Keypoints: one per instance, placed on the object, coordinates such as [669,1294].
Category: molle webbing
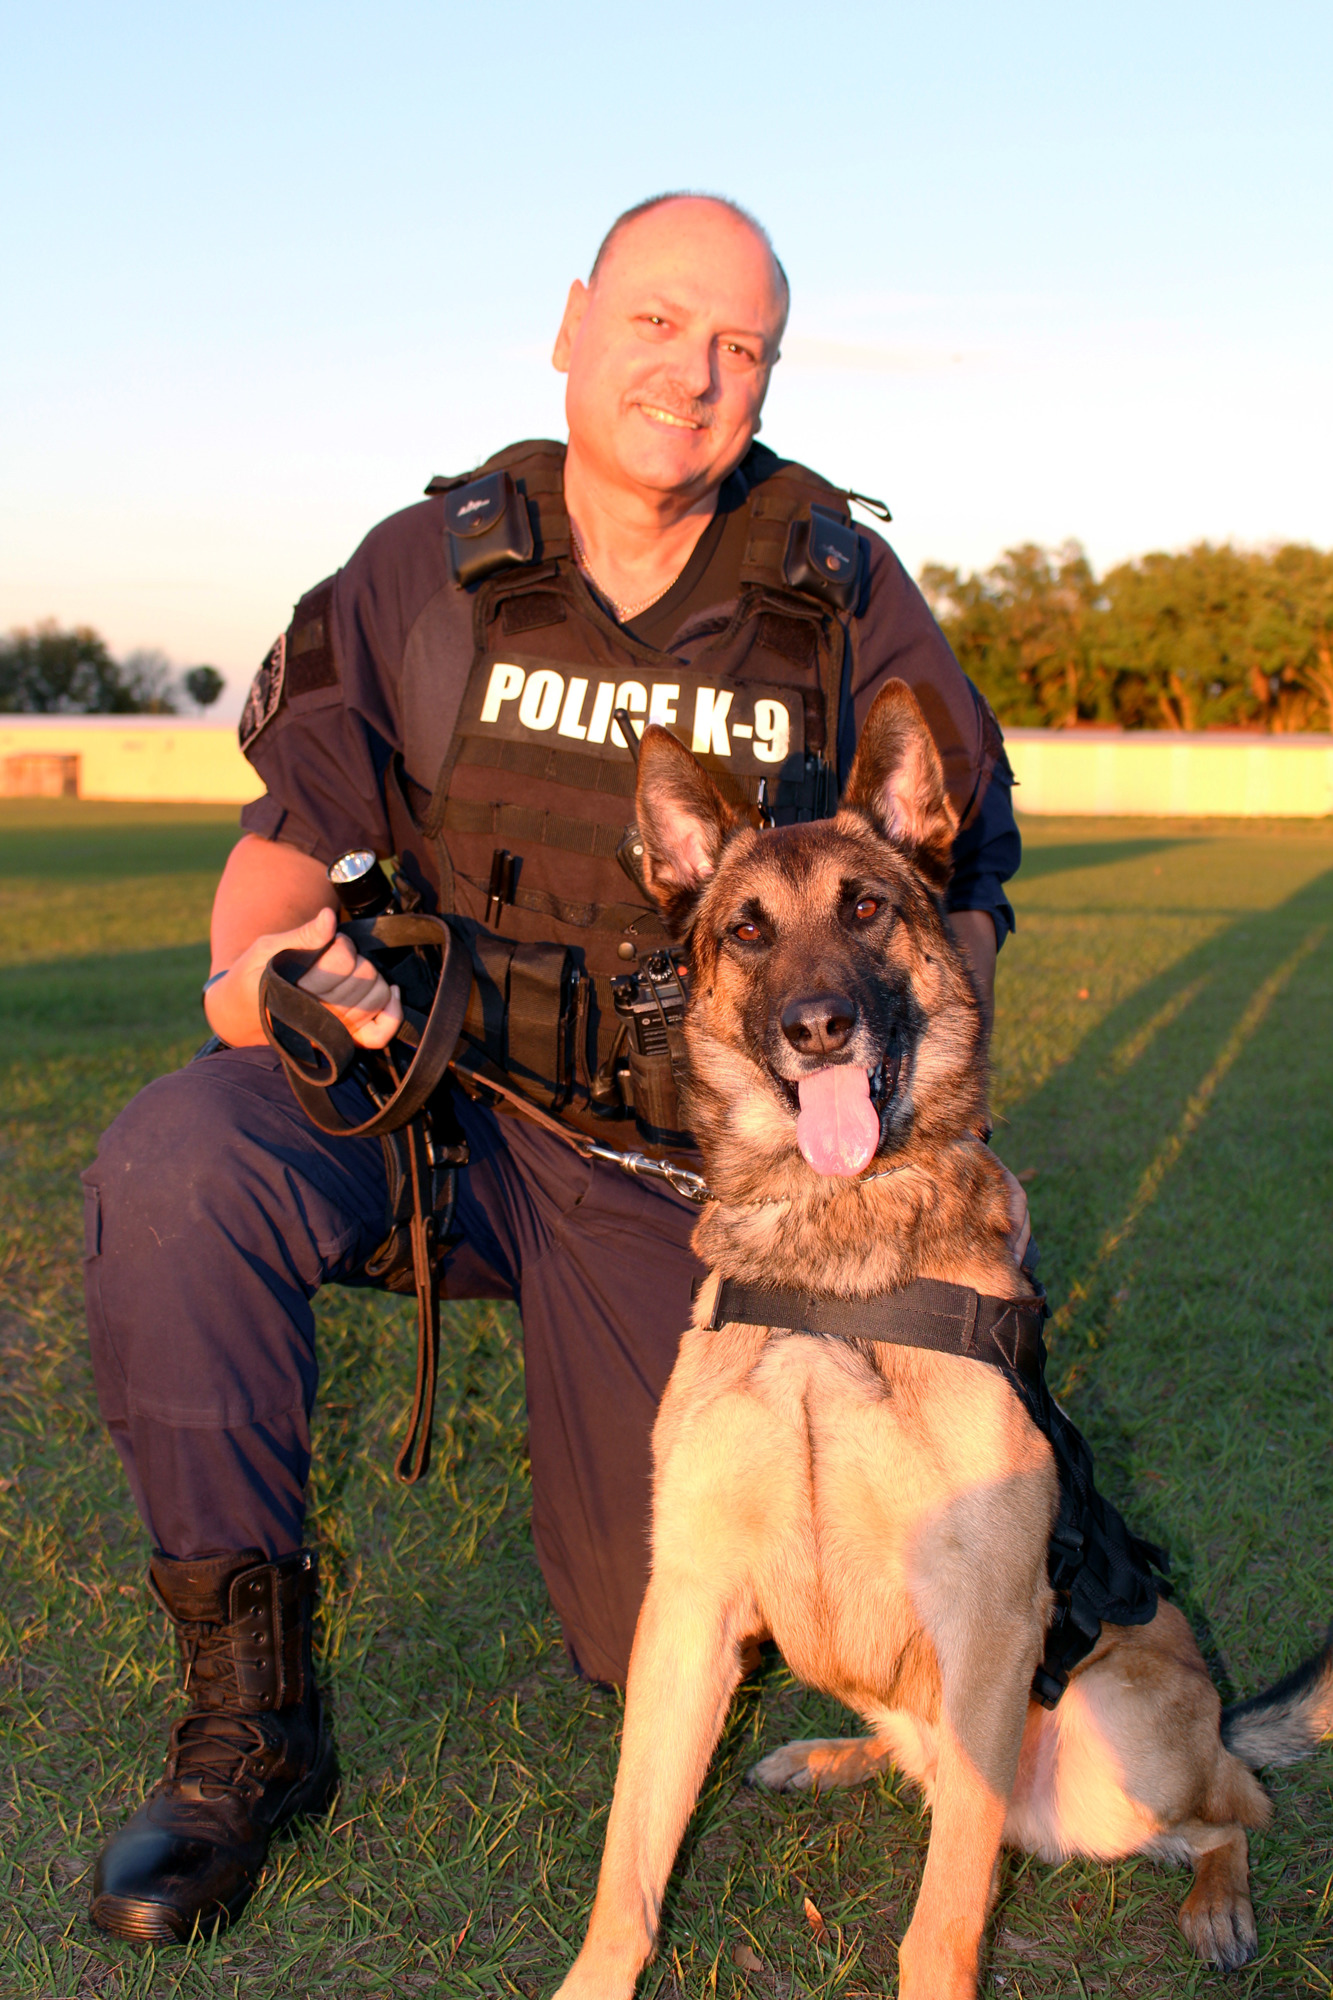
[560,767]
[536,827]
[625,919]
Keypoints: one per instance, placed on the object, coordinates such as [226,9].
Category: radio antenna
[628,731]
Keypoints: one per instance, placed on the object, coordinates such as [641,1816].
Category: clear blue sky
[1056,271]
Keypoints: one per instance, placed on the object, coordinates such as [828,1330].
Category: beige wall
[138,757]
[1144,772]
[1159,772]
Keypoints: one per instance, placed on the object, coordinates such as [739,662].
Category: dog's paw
[784,1770]
[1220,1928]
[818,1764]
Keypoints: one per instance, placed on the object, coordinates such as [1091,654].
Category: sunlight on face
[669,352]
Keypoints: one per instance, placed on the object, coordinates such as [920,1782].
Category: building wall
[1162,772]
[137,757]
[1147,772]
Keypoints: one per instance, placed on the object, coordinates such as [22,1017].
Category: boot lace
[213,1742]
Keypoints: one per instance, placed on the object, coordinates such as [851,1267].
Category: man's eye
[866,909]
[747,933]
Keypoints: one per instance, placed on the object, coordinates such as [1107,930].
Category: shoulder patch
[261,704]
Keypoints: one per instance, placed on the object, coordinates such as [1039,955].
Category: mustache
[677,404]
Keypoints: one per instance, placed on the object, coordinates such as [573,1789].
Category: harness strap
[1100,1571]
[948,1319]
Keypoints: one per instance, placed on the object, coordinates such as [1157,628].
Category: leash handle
[287,1012]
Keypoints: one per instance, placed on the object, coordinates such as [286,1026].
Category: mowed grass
[1164,1063]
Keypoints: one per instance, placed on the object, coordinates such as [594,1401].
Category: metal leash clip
[692,1186]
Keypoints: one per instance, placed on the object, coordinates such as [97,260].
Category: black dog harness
[1099,1569]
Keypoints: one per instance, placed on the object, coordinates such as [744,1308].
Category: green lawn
[1164,1078]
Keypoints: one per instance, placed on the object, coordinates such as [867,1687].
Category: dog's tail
[1289,1720]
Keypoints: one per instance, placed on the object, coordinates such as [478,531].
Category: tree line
[1212,638]
[48,670]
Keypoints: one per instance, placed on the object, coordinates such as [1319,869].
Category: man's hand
[349,986]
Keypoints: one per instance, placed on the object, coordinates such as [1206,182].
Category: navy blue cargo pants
[215,1211]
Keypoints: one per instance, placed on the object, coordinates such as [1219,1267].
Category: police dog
[882,1512]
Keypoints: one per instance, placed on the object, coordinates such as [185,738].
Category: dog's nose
[819,1024]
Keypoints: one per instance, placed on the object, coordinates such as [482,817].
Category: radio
[649,1066]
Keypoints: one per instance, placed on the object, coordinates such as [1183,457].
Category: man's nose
[819,1024]
[693,367]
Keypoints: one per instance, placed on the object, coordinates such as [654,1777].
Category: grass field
[1164,1079]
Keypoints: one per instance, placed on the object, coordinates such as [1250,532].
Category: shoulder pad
[507,513]
[801,532]
[537,465]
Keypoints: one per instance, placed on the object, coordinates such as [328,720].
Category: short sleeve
[324,720]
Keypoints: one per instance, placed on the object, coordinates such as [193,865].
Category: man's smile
[658,415]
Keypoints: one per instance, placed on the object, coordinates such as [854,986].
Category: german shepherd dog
[882,1512]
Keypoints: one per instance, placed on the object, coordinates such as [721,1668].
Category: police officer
[450,698]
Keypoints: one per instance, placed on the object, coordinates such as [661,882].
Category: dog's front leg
[683,1671]
[986,1627]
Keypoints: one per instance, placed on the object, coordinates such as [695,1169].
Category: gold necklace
[624,612]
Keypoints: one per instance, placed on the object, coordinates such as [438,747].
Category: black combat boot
[252,1752]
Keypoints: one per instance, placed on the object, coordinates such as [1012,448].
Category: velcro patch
[265,696]
[310,661]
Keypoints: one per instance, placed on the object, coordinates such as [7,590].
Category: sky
[1056,271]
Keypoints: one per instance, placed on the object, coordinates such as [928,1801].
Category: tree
[148,677]
[1171,647]
[1211,637]
[203,685]
[1021,630]
[47,671]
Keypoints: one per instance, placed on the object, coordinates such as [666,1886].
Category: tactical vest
[577,1002]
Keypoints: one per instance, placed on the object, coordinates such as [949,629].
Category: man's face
[669,353]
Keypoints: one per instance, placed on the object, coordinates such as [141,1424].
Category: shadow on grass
[1063,859]
[1181,1197]
[111,992]
[111,843]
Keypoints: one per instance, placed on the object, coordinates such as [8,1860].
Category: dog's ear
[683,820]
[897,781]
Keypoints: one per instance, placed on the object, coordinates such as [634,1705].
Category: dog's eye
[866,909]
[747,932]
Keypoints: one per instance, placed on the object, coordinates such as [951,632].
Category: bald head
[669,347]
[657,202]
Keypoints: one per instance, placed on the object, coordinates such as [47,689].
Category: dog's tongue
[838,1128]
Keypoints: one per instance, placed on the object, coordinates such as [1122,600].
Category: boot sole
[140,1921]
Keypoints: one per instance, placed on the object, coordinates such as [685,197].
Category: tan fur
[883,1512]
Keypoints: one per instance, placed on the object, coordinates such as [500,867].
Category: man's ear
[897,781]
[575,307]
[683,820]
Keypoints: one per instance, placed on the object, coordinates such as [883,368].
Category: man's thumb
[319,930]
